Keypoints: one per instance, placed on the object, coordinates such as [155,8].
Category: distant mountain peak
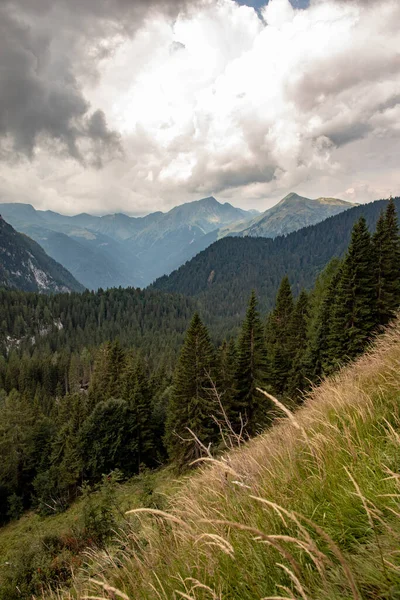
[291,197]
[209,200]
[294,198]
[293,212]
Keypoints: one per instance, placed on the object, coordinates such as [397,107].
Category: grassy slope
[27,534]
[310,510]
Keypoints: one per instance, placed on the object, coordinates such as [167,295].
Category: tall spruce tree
[108,369]
[354,312]
[191,404]
[279,339]
[251,373]
[386,248]
[297,343]
[317,360]
[227,367]
[137,392]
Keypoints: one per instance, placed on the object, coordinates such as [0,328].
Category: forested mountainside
[25,266]
[151,321]
[293,212]
[71,420]
[117,250]
[221,276]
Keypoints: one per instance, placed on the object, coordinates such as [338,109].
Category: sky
[138,105]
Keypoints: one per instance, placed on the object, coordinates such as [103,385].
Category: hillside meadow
[308,510]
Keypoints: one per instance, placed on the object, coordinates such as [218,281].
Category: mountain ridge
[291,213]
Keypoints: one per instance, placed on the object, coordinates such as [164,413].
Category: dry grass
[309,510]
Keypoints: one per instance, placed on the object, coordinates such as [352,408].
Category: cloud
[46,48]
[179,100]
[303,85]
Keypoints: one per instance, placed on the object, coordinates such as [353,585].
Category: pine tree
[279,342]
[386,248]
[106,381]
[354,312]
[251,372]
[297,343]
[116,363]
[317,360]
[191,405]
[227,367]
[138,395]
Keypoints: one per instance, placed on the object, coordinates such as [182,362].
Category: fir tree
[297,343]
[116,362]
[386,247]
[317,360]
[251,372]
[106,381]
[279,341]
[227,367]
[354,312]
[138,395]
[191,405]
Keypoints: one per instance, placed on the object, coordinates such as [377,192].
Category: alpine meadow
[199,300]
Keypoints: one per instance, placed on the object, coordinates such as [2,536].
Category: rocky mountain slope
[24,265]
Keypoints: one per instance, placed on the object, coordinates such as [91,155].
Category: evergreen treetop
[386,249]
[279,339]
[251,371]
[191,405]
[354,312]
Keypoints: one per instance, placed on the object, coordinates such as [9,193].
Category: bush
[51,493]
[15,507]
[47,562]
[100,511]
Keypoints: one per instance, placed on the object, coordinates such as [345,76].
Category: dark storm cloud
[40,96]
[46,47]
[348,133]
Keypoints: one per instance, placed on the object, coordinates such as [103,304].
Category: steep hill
[307,510]
[117,250]
[24,265]
[290,214]
[221,276]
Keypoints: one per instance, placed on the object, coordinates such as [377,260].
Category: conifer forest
[130,380]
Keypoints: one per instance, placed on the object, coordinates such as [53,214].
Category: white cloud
[222,102]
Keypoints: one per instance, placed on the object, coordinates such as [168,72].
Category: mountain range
[118,250]
[25,266]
